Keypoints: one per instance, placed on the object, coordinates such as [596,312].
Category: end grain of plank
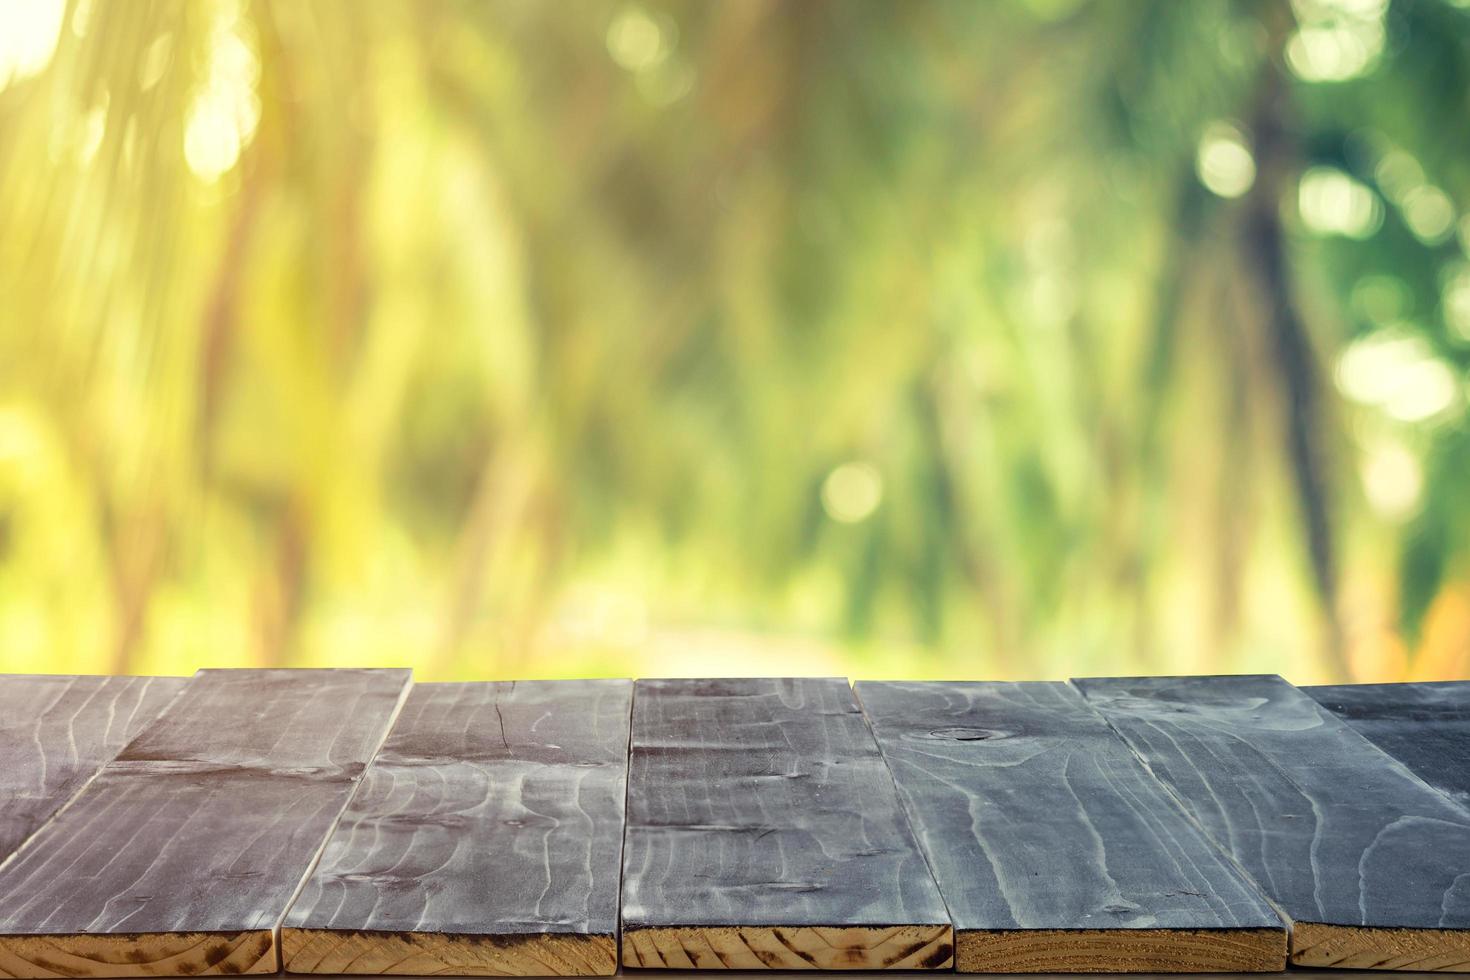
[1366,948]
[789,948]
[323,951]
[485,839]
[764,832]
[139,954]
[182,855]
[1120,951]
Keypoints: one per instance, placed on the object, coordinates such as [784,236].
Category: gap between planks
[278,947]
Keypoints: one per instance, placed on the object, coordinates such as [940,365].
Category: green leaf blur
[923,338]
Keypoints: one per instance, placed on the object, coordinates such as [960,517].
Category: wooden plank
[1371,866]
[485,840]
[182,855]
[1055,851]
[1425,726]
[765,832]
[57,731]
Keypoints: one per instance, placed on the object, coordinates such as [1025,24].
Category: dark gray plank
[765,831]
[485,839]
[1370,864]
[1425,726]
[57,731]
[1054,849]
[182,855]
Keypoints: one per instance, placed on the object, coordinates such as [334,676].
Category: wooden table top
[352,822]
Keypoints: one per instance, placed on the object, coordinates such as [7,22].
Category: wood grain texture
[56,732]
[182,855]
[1371,866]
[765,832]
[486,839]
[1054,849]
[1425,726]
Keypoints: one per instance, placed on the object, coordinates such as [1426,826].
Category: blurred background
[1011,339]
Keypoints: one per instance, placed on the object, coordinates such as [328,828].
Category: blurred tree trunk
[1264,240]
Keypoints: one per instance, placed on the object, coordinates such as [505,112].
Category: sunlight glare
[226,109]
[29,30]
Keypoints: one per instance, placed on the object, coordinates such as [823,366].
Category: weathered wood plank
[1055,851]
[1370,865]
[765,832]
[182,855]
[485,839]
[57,731]
[1425,726]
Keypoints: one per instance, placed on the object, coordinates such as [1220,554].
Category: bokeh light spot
[1223,161]
[1455,301]
[1338,40]
[1392,479]
[1397,373]
[852,492]
[636,41]
[155,62]
[1380,299]
[1333,203]
[1429,213]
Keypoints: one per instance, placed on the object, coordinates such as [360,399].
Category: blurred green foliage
[1004,339]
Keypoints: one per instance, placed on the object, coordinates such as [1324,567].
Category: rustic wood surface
[57,731]
[1054,849]
[764,831]
[485,839]
[1425,726]
[1371,866]
[182,855]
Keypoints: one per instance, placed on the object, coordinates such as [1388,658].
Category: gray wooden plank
[486,839]
[182,855]
[1053,847]
[1371,866]
[1426,726]
[57,731]
[765,832]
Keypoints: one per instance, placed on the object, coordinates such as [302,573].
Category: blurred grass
[507,339]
